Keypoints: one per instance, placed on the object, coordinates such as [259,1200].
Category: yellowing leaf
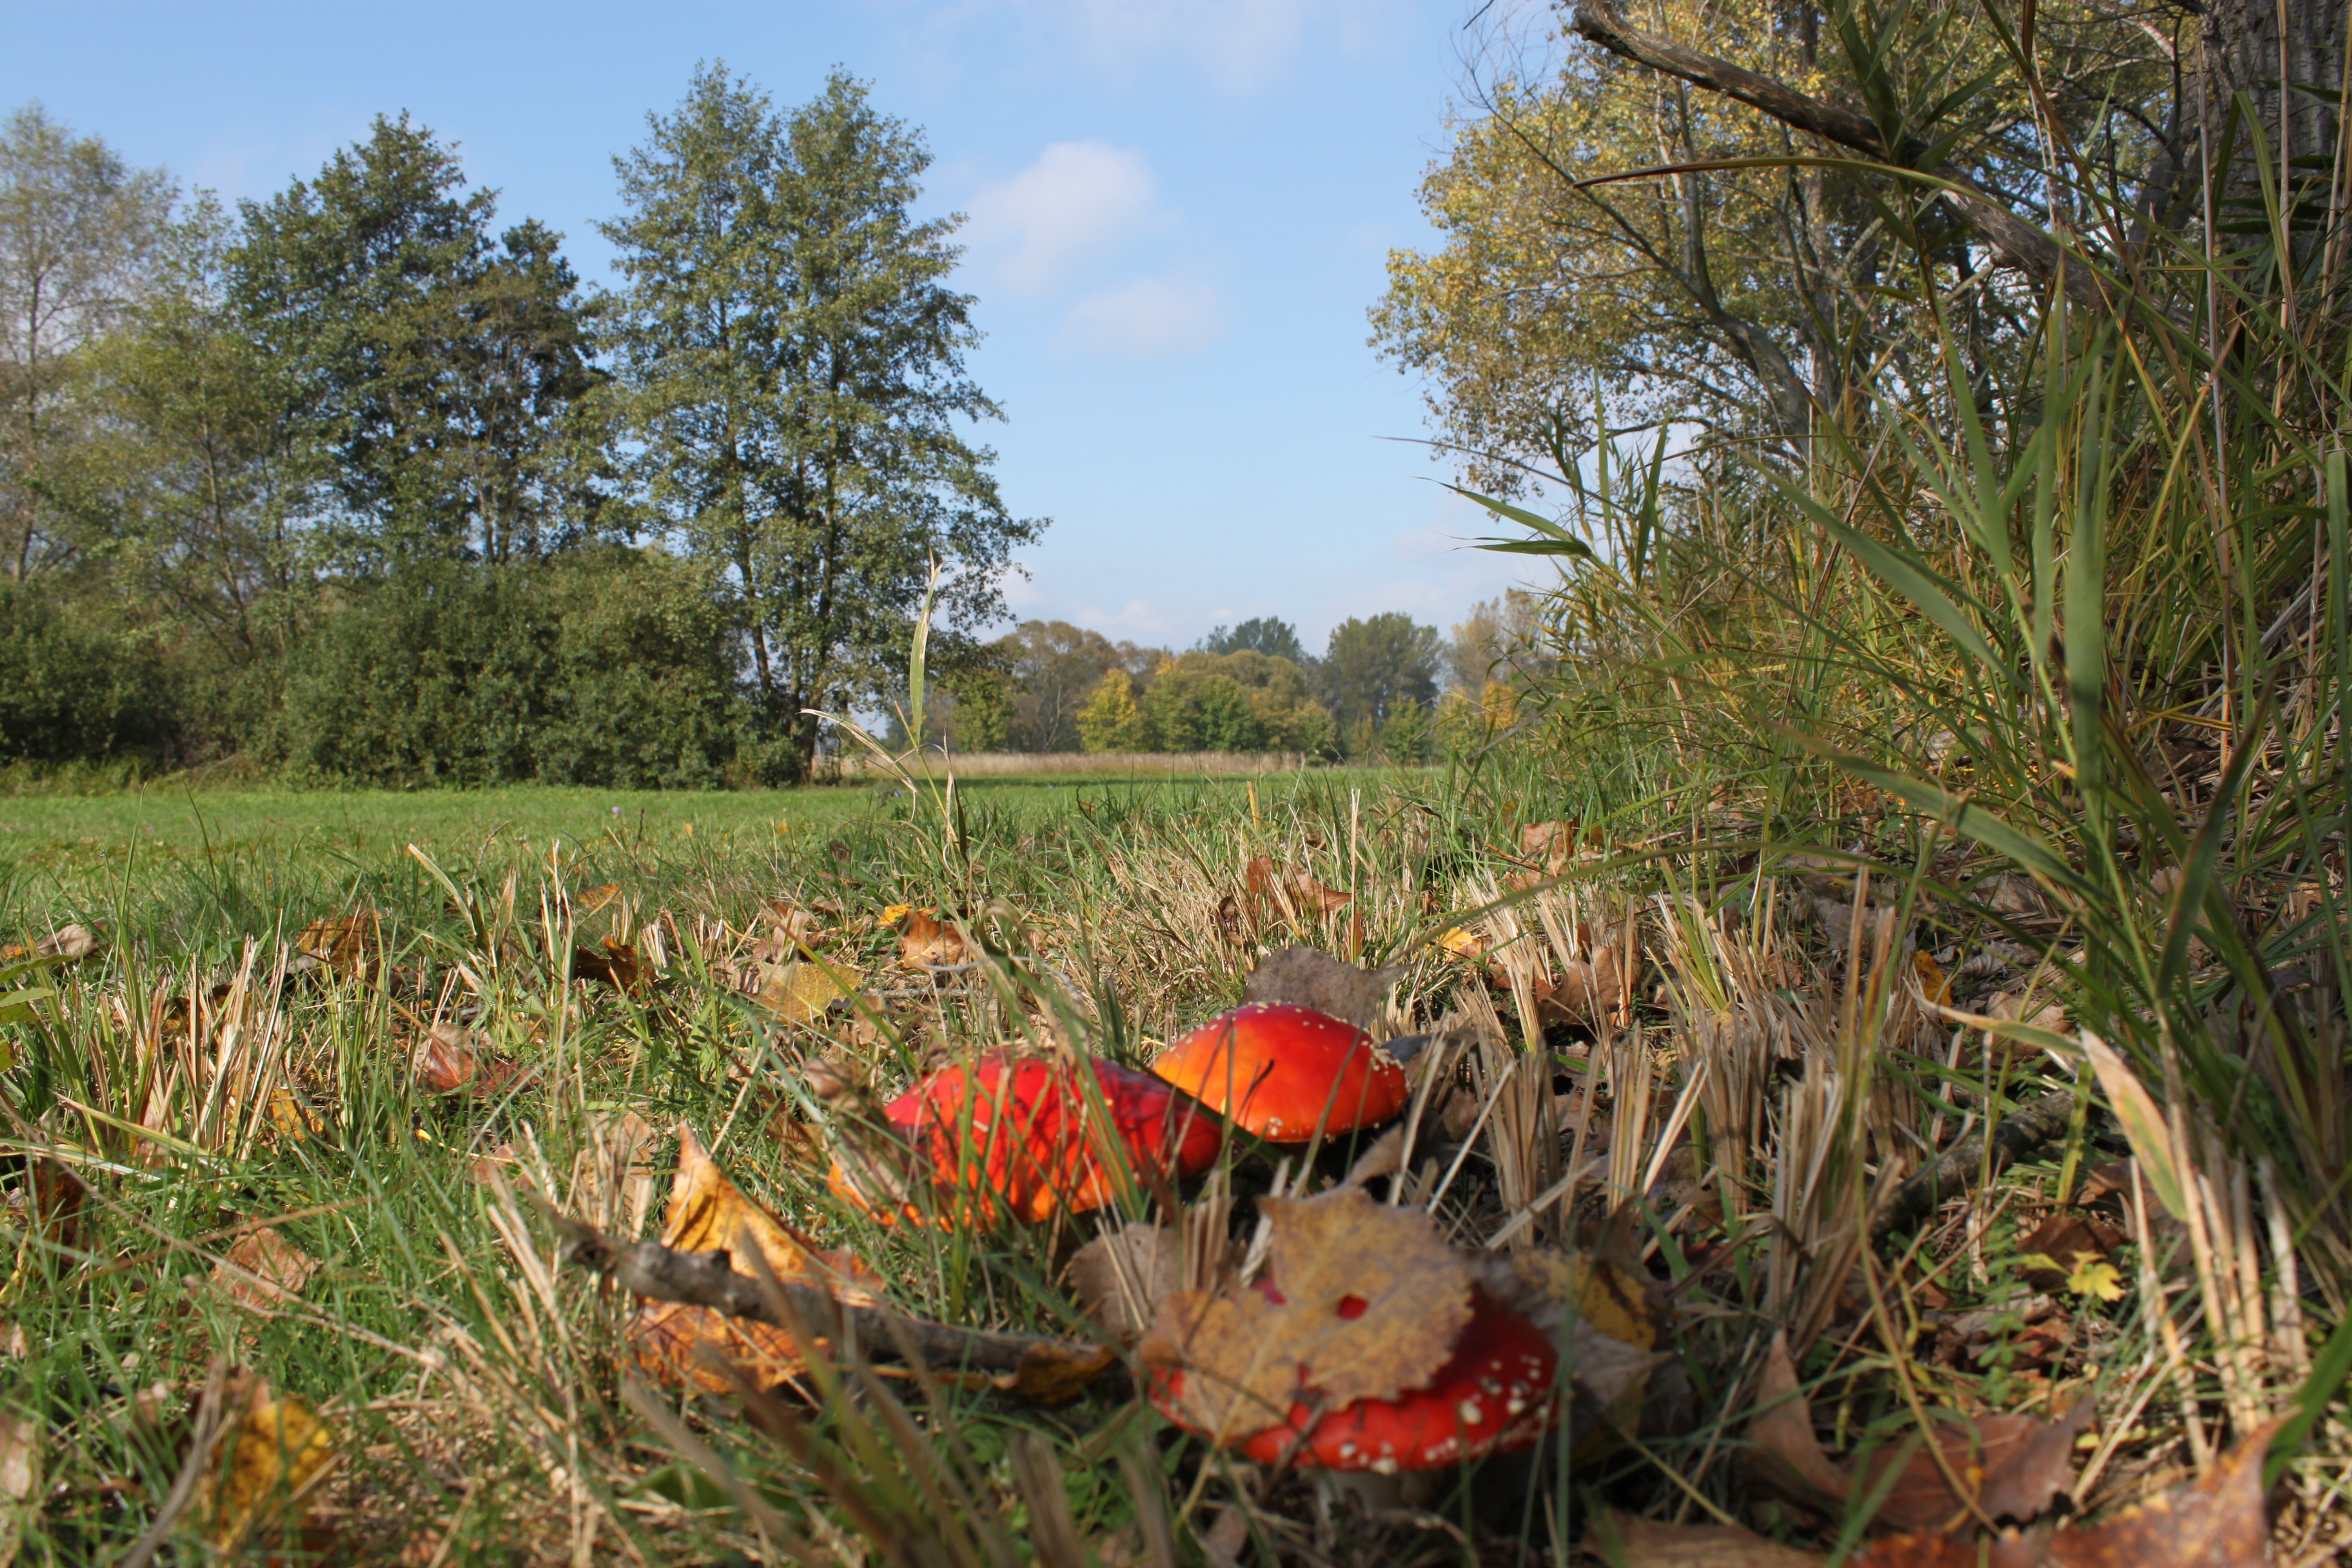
[800,992]
[2144,1125]
[274,1454]
[1463,945]
[2094,1276]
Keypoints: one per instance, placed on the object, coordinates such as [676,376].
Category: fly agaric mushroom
[1283,1072]
[1033,1135]
[1492,1395]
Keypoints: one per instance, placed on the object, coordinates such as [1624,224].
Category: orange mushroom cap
[1274,1069]
[1492,1395]
[1037,1136]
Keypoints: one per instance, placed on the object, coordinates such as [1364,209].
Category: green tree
[1054,668]
[792,384]
[1376,667]
[1261,633]
[444,367]
[1110,720]
[199,478]
[79,230]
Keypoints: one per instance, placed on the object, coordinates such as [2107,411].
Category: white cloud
[1145,317]
[1079,200]
[1241,43]
[1136,615]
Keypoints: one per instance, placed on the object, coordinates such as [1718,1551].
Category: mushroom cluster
[1039,1137]
[1491,1395]
[1032,1138]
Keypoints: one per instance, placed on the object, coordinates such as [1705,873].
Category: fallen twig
[2017,1134]
[711,1279]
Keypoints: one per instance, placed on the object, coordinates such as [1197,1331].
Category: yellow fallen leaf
[1463,945]
[2094,1276]
[800,992]
[272,1457]
[894,913]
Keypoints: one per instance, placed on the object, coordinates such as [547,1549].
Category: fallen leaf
[2218,1521]
[926,942]
[52,1200]
[274,1454]
[2061,1245]
[706,1213]
[1121,1277]
[450,1056]
[1299,889]
[617,965]
[1361,1301]
[348,945]
[1054,1373]
[71,943]
[262,1268]
[611,1184]
[1466,945]
[588,901]
[1307,977]
[1624,1541]
[800,991]
[2020,1464]
[20,1479]
[1934,983]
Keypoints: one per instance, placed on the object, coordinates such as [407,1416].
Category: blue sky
[1180,210]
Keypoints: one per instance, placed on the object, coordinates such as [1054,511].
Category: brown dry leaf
[1121,1277]
[588,901]
[20,1479]
[73,943]
[1624,1541]
[1607,1331]
[1267,888]
[611,1184]
[1782,1452]
[2216,1522]
[451,1056]
[2020,1464]
[616,966]
[347,944]
[1934,983]
[262,1268]
[1371,1299]
[275,1453]
[800,991]
[926,942]
[2067,1242]
[1054,1373]
[706,1212]
[52,1199]
[1306,977]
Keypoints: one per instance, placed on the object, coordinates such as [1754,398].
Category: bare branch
[2015,241]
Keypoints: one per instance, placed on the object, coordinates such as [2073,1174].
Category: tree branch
[2018,1133]
[711,1279]
[2015,241]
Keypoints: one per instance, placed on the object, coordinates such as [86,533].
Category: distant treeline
[1384,685]
[361,484]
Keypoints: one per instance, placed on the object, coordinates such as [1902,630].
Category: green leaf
[1555,540]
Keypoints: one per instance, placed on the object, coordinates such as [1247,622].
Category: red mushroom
[1034,1135]
[1492,1395]
[1283,1071]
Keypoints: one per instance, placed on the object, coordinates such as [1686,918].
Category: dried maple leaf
[617,965]
[706,1213]
[1309,978]
[2020,1464]
[347,944]
[1361,1301]
[263,1268]
[1121,1277]
[926,942]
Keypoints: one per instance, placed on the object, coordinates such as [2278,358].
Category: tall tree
[202,474]
[1377,666]
[79,233]
[1268,634]
[791,362]
[444,365]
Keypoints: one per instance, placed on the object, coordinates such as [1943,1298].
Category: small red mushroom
[1492,1395]
[1034,1135]
[1282,1072]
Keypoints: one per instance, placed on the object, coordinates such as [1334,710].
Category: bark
[711,1279]
[2014,1136]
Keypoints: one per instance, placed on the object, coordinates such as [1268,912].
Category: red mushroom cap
[1032,1133]
[1274,1069]
[1492,1395]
